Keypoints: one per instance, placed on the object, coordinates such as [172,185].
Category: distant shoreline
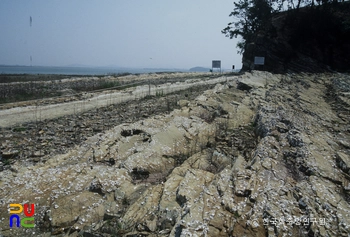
[89,71]
[81,71]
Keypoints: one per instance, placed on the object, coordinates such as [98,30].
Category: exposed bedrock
[272,160]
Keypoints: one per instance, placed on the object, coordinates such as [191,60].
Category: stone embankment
[258,155]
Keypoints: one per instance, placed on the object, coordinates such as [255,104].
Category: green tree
[250,16]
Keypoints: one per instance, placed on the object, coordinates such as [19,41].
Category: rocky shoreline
[33,141]
[259,154]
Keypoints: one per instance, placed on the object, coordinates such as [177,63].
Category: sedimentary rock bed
[270,158]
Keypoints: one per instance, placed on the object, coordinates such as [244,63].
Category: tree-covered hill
[309,36]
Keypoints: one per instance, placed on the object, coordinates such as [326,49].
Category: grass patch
[108,84]
[159,93]
[236,215]
[6,161]
[19,129]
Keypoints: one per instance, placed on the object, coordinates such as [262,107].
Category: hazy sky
[127,33]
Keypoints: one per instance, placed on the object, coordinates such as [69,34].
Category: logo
[28,221]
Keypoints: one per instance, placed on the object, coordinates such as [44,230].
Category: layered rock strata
[268,159]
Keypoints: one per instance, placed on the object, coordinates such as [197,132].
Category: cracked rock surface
[258,155]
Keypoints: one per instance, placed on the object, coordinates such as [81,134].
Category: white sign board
[259,60]
[216,64]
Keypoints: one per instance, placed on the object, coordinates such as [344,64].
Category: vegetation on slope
[296,33]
